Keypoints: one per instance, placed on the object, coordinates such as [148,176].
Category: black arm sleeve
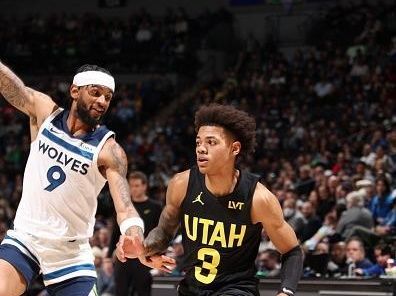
[291,271]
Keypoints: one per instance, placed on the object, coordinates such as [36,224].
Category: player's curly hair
[240,124]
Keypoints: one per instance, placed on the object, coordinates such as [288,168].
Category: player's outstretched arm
[114,161]
[33,103]
[157,241]
[267,210]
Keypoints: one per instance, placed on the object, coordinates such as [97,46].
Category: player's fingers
[120,254]
[121,241]
[166,268]
[138,245]
[168,260]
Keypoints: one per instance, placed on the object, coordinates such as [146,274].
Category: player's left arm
[113,163]
[267,210]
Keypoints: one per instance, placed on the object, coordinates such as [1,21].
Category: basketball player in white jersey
[71,158]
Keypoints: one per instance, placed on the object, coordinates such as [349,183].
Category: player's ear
[74,91]
[236,148]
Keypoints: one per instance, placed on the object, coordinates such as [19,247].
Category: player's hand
[130,245]
[160,262]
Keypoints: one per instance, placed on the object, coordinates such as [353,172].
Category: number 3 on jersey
[205,277]
[56,176]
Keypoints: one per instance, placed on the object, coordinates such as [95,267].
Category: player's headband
[94,77]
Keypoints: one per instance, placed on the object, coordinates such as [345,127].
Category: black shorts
[228,290]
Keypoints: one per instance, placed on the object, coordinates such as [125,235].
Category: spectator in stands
[268,263]
[382,202]
[355,215]
[356,255]
[293,216]
[382,253]
[131,276]
[105,284]
[312,221]
[337,264]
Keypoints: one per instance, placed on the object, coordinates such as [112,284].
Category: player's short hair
[138,175]
[89,67]
[239,124]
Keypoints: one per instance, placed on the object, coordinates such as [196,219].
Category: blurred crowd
[140,43]
[326,131]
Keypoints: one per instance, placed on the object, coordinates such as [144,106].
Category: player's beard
[83,114]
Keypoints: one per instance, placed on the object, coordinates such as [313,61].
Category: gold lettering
[193,236]
[234,236]
[205,230]
[218,235]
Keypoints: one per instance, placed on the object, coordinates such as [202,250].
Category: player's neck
[76,126]
[222,183]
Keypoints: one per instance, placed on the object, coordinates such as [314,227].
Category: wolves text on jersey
[63,159]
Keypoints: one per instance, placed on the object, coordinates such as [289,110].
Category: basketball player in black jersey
[221,210]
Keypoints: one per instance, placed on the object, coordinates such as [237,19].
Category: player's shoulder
[177,187]
[181,178]
[112,154]
[262,194]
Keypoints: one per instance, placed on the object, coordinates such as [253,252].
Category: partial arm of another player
[157,241]
[115,164]
[33,103]
[267,210]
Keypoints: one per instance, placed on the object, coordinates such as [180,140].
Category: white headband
[94,77]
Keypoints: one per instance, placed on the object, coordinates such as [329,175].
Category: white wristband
[135,221]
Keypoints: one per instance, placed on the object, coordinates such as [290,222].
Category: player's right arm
[157,241]
[31,102]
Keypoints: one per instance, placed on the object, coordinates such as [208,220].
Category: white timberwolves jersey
[61,182]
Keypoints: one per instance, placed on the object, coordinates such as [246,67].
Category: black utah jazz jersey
[220,242]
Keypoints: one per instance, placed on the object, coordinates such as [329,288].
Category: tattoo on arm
[158,239]
[119,163]
[12,88]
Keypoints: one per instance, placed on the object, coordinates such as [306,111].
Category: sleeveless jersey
[220,242]
[61,182]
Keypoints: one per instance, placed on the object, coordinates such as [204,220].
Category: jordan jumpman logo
[198,199]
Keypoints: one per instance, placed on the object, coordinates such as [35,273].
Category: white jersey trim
[78,273]
[48,119]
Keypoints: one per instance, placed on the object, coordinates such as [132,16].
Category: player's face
[215,149]
[92,103]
